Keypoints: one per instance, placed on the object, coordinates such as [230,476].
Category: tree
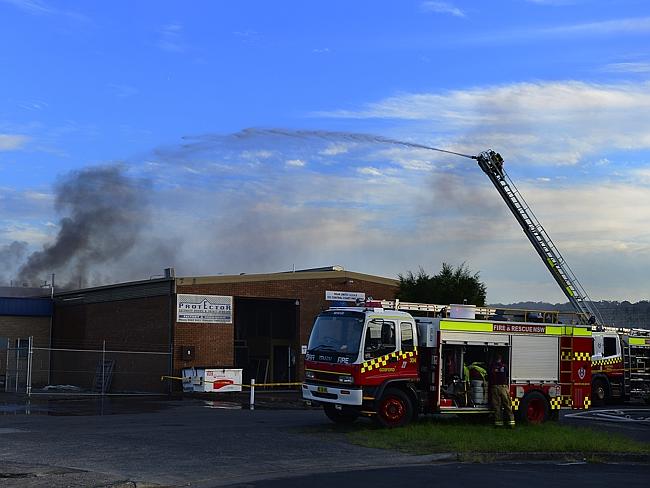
[450,285]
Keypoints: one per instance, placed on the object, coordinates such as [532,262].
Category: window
[406,334]
[609,346]
[380,338]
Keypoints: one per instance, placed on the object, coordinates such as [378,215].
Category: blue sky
[163,89]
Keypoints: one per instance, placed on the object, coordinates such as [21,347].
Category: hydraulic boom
[492,164]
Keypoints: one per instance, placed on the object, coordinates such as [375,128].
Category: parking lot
[190,442]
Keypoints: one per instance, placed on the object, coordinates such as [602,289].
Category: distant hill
[619,314]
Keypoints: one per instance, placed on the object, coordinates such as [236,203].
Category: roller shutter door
[535,358]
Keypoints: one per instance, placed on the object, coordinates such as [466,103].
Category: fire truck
[620,357]
[620,365]
[383,362]
[378,360]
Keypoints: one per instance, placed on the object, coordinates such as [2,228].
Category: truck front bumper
[327,394]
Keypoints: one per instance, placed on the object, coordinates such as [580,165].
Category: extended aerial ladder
[492,164]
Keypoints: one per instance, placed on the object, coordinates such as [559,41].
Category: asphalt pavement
[502,475]
[150,442]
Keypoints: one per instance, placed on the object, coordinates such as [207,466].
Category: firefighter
[500,391]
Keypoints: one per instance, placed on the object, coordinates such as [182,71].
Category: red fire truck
[378,360]
[620,365]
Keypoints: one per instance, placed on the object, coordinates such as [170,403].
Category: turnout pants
[502,403]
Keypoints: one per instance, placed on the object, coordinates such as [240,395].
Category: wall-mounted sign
[211,309]
[344,296]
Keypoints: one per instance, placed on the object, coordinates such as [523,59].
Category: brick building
[256,322]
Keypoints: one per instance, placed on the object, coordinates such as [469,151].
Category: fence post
[252,399]
[7,368]
[30,355]
[103,365]
[17,354]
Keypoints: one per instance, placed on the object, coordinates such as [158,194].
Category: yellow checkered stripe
[383,360]
[599,362]
[515,403]
[567,401]
[575,356]
[556,403]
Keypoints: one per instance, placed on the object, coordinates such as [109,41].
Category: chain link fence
[90,370]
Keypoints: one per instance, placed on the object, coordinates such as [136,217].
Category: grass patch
[435,436]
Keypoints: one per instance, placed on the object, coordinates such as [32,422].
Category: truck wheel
[395,408]
[534,408]
[339,416]
[599,392]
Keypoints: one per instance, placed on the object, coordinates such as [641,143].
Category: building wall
[13,328]
[138,327]
[214,342]
[213,345]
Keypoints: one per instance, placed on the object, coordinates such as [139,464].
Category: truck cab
[353,355]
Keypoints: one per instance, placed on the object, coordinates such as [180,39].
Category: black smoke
[104,212]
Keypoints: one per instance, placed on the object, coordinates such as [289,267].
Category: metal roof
[333,272]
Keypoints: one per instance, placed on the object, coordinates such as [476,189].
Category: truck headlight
[310,375]
[346,379]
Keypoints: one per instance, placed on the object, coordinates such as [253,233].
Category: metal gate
[15,365]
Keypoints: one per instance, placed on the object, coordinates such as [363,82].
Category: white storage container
[211,380]
[457,311]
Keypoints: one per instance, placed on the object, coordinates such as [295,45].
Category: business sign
[344,296]
[524,329]
[211,309]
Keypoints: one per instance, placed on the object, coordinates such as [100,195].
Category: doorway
[266,339]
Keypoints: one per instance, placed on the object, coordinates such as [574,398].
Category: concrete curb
[492,457]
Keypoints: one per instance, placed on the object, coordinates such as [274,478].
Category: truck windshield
[336,335]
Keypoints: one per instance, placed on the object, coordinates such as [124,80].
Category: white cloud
[641,175]
[335,149]
[12,142]
[370,171]
[38,195]
[634,25]
[295,163]
[558,122]
[39,7]
[630,67]
[442,8]
[32,105]
[31,6]
[18,231]
[171,38]
[257,155]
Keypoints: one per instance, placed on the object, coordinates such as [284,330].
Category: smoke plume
[10,257]
[104,210]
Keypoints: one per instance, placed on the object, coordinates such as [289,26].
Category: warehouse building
[139,331]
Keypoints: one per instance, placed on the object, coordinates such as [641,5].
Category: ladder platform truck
[621,357]
[380,361]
